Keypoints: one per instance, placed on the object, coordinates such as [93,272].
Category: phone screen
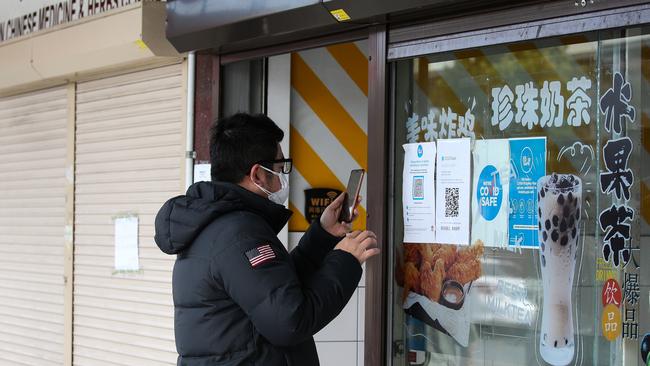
[352,194]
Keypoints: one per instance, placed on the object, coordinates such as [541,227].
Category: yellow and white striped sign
[329,124]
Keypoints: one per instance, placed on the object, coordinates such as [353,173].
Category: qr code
[418,188]
[451,202]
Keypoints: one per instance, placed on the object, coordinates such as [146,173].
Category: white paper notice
[418,192]
[126,244]
[202,173]
[490,188]
[452,191]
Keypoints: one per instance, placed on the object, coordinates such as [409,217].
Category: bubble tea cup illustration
[559,198]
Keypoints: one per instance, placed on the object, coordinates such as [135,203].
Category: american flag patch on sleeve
[260,255]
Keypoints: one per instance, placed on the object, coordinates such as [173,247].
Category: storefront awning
[234,25]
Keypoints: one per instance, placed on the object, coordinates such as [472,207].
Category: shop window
[546,203]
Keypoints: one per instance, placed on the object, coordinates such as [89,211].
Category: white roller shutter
[128,160]
[32,221]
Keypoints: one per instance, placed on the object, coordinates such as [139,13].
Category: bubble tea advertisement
[559,198]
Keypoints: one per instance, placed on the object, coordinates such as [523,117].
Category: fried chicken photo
[411,279]
[468,253]
[412,253]
[426,266]
[431,280]
[447,253]
[427,251]
[465,271]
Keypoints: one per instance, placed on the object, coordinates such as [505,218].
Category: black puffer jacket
[231,312]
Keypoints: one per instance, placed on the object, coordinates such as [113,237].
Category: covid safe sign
[489,192]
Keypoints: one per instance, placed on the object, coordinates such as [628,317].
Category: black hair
[240,141]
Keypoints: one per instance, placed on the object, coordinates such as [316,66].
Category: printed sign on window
[490,192]
[452,191]
[418,192]
[527,165]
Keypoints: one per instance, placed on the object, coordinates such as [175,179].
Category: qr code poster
[418,192]
[452,191]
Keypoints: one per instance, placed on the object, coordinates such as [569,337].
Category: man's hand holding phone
[361,244]
[329,220]
[337,218]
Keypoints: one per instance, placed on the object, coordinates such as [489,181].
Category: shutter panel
[32,222]
[128,159]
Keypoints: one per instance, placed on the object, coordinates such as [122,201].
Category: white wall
[279,107]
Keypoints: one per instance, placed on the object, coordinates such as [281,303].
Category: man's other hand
[361,244]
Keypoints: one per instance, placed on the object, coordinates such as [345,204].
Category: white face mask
[282,194]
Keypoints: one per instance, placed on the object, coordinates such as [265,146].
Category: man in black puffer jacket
[240,298]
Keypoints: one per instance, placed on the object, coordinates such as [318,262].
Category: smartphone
[352,194]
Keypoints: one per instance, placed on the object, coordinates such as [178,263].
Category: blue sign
[527,165]
[489,193]
[420,151]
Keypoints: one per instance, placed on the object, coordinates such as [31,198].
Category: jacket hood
[181,219]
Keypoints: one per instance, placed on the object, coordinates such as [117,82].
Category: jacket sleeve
[283,309]
[314,245]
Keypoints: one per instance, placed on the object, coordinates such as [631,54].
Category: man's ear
[256,174]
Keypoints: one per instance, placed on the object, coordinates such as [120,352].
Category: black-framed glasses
[287,164]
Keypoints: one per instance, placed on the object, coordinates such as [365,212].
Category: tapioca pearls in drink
[559,198]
